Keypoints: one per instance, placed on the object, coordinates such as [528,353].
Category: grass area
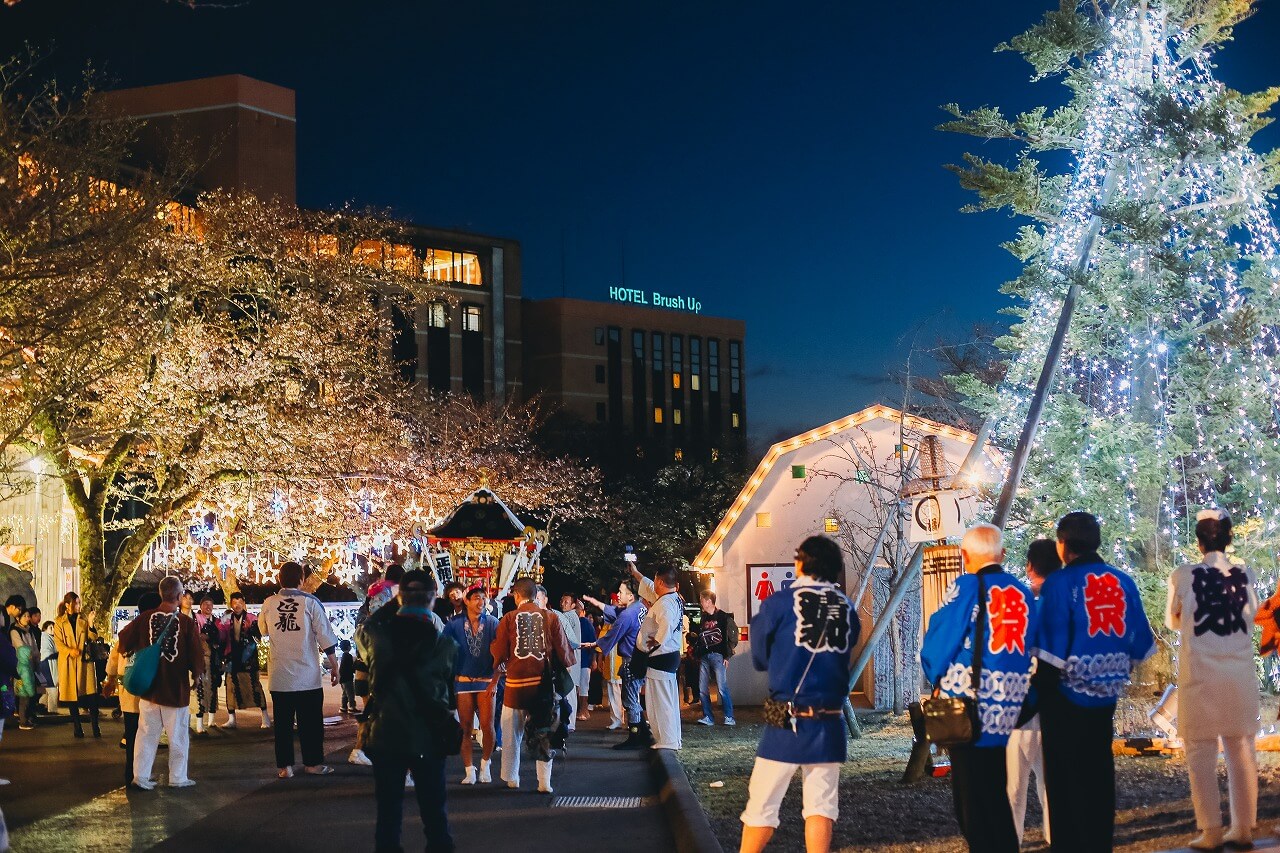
[877,813]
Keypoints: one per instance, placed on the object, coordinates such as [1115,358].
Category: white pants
[769,783]
[615,703]
[572,699]
[1242,780]
[513,720]
[662,693]
[584,683]
[1024,754]
[153,718]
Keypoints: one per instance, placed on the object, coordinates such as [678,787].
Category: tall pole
[1049,370]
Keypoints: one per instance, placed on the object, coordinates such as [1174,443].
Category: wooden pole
[1049,369]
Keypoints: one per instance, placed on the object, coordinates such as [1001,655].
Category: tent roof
[482,515]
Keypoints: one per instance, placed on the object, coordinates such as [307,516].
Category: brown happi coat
[181,654]
[525,638]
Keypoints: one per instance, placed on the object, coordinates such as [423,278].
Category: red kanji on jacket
[1105,605]
[1007,613]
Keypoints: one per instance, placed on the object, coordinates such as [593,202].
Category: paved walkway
[68,795]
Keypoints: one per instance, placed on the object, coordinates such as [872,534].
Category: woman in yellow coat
[77,675]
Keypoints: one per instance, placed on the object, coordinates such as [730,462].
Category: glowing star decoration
[1007,612]
[1104,604]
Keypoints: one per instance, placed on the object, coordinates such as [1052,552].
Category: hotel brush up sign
[654,299]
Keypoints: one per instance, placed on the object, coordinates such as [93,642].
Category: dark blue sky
[775,160]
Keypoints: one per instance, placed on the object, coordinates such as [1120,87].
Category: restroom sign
[763,580]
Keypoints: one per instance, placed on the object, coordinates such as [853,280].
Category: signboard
[936,515]
[655,299]
[763,580]
[940,567]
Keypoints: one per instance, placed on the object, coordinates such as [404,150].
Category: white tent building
[37,535]
[841,480]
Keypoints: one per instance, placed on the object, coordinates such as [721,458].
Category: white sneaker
[185,783]
[707,721]
[485,776]
[408,780]
[730,721]
[470,777]
[357,756]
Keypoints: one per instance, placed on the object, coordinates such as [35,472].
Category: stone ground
[68,795]
[876,813]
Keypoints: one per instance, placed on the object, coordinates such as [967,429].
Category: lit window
[676,417]
[735,420]
[445,265]
[764,519]
[695,382]
[675,380]
[679,455]
[471,318]
[830,525]
[715,454]
[657,414]
[438,315]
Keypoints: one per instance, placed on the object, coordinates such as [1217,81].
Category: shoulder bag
[140,674]
[954,720]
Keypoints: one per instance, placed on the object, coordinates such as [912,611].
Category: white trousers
[152,719]
[770,780]
[1024,754]
[572,699]
[1242,780]
[512,721]
[662,696]
[615,703]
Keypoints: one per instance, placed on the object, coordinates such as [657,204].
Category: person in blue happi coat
[1091,632]
[987,615]
[804,637]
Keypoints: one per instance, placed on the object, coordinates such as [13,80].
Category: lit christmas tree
[1167,386]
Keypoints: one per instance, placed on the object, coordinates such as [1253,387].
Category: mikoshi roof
[481,516]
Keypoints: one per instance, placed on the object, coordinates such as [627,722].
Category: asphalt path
[69,794]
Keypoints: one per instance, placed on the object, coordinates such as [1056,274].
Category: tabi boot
[636,739]
[544,777]
[1209,839]
[1239,838]
[208,721]
[231,720]
[485,774]
[469,777]
[198,721]
[266,720]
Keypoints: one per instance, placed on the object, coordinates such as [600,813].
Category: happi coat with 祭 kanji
[1212,605]
[1092,627]
[804,636]
[1007,630]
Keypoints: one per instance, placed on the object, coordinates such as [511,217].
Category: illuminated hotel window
[695,382]
[764,519]
[657,414]
[675,380]
[735,420]
[679,455]
[444,265]
[676,416]
[470,318]
[438,315]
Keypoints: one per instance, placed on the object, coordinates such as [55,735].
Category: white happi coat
[1212,604]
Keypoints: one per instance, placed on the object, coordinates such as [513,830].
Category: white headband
[1214,514]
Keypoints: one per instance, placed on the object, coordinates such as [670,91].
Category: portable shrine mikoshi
[487,544]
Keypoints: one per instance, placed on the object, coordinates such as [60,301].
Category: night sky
[776,161]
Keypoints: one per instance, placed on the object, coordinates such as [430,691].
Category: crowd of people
[1039,666]
[1043,665]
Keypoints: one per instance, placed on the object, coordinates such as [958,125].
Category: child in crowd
[347,678]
